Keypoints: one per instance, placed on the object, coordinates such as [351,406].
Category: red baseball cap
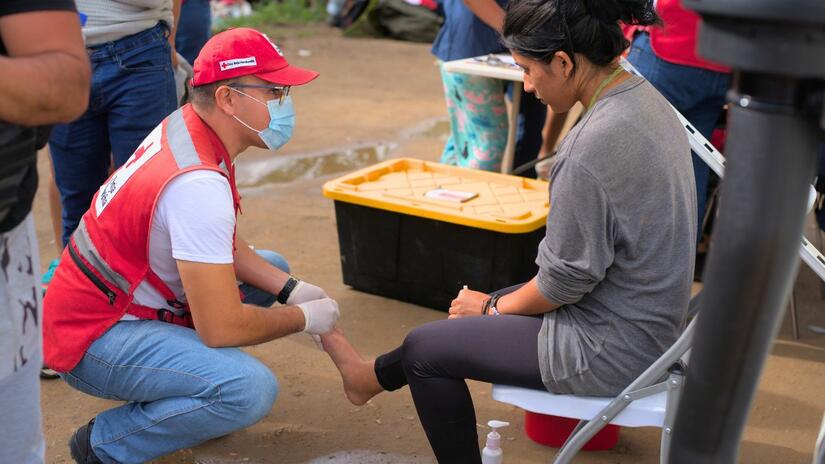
[242,52]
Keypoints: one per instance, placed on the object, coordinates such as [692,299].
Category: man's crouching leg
[179,392]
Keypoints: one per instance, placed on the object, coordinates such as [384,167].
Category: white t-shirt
[110,20]
[194,221]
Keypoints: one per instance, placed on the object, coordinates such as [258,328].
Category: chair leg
[819,452]
[709,209]
[819,245]
[586,430]
[674,393]
[794,319]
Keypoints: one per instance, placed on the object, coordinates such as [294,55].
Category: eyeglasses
[277,91]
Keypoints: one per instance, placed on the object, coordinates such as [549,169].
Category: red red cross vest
[108,255]
[676,41]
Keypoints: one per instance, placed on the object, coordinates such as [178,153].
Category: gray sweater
[620,243]
[110,20]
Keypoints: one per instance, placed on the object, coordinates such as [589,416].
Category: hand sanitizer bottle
[492,453]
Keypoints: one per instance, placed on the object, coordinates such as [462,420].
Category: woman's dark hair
[539,28]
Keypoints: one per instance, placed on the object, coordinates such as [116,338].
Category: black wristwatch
[289,286]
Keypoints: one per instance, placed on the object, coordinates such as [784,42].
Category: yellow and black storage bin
[407,230]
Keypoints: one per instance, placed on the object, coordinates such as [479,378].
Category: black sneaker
[81,447]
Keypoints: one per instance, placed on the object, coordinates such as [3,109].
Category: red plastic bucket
[553,431]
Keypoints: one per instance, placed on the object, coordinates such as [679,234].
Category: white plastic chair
[649,401]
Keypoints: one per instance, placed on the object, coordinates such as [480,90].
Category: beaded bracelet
[492,304]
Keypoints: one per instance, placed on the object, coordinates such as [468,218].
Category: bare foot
[358,374]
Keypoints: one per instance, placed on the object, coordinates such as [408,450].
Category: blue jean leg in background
[132,91]
[699,94]
[194,28]
[530,124]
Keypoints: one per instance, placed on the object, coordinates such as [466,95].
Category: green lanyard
[601,87]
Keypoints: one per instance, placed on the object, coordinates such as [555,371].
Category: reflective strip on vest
[88,251]
[180,142]
[183,151]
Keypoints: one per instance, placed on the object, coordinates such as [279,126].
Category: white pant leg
[21,354]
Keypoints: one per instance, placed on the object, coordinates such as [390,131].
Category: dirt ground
[370,92]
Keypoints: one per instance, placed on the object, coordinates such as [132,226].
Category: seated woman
[615,267]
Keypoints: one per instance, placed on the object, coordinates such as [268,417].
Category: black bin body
[425,261]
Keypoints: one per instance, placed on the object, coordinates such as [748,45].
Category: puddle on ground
[281,169]
[338,457]
[368,457]
[439,129]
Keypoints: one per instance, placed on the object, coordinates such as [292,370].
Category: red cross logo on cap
[244,51]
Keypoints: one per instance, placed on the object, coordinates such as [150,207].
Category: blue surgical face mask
[281,122]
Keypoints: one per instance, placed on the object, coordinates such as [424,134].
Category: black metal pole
[776,48]
[771,154]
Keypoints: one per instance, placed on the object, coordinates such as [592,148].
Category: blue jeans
[699,94]
[194,28]
[133,90]
[178,391]
[530,123]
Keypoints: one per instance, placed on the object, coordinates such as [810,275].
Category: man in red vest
[667,56]
[145,306]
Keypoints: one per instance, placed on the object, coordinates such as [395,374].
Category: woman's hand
[467,303]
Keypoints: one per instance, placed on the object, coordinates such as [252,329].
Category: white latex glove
[304,292]
[317,340]
[320,315]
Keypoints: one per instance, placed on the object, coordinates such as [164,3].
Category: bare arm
[553,126]
[253,270]
[527,300]
[487,11]
[219,316]
[45,77]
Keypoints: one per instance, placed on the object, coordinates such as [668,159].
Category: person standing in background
[667,57]
[131,47]
[44,79]
[478,113]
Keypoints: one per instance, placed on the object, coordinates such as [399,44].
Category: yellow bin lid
[501,203]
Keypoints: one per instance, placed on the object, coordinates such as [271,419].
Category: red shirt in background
[675,42]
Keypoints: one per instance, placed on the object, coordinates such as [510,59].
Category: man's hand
[304,292]
[320,315]
[467,303]
[219,316]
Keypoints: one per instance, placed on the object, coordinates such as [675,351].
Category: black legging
[435,359]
